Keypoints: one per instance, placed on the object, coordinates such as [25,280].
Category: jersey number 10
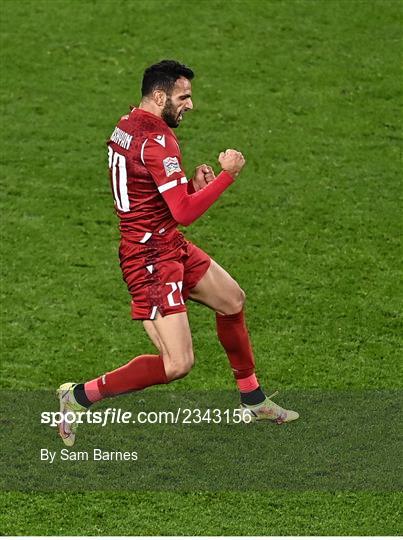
[117,166]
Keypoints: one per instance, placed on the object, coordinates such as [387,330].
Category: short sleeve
[161,156]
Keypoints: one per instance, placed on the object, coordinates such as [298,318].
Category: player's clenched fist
[231,161]
[203,175]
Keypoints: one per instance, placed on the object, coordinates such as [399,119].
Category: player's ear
[159,97]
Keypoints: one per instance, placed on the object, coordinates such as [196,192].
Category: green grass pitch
[309,91]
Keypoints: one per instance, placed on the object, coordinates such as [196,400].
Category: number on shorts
[175,287]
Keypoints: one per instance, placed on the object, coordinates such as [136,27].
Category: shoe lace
[275,394]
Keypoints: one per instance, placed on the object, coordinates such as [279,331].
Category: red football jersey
[149,185]
[138,203]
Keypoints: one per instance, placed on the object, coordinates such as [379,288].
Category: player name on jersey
[121,138]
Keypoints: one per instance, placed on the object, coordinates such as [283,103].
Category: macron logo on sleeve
[171,165]
[160,139]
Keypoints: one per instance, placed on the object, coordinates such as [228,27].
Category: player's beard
[169,114]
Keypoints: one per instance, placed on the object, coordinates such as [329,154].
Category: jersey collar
[156,118]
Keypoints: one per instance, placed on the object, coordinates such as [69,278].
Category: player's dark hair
[162,76]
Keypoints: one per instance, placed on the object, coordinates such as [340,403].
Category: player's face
[178,102]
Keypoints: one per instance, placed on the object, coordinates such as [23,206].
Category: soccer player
[161,268]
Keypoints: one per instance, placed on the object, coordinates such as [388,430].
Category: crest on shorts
[171,165]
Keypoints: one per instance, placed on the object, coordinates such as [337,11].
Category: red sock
[145,370]
[234,337]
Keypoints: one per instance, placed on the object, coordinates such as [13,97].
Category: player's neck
[151,107]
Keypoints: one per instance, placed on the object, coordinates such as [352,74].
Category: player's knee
[179,367]
[182,370]
[236,301]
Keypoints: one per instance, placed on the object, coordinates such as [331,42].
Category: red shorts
[161,273]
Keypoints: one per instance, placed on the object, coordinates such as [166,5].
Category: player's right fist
[231,161]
